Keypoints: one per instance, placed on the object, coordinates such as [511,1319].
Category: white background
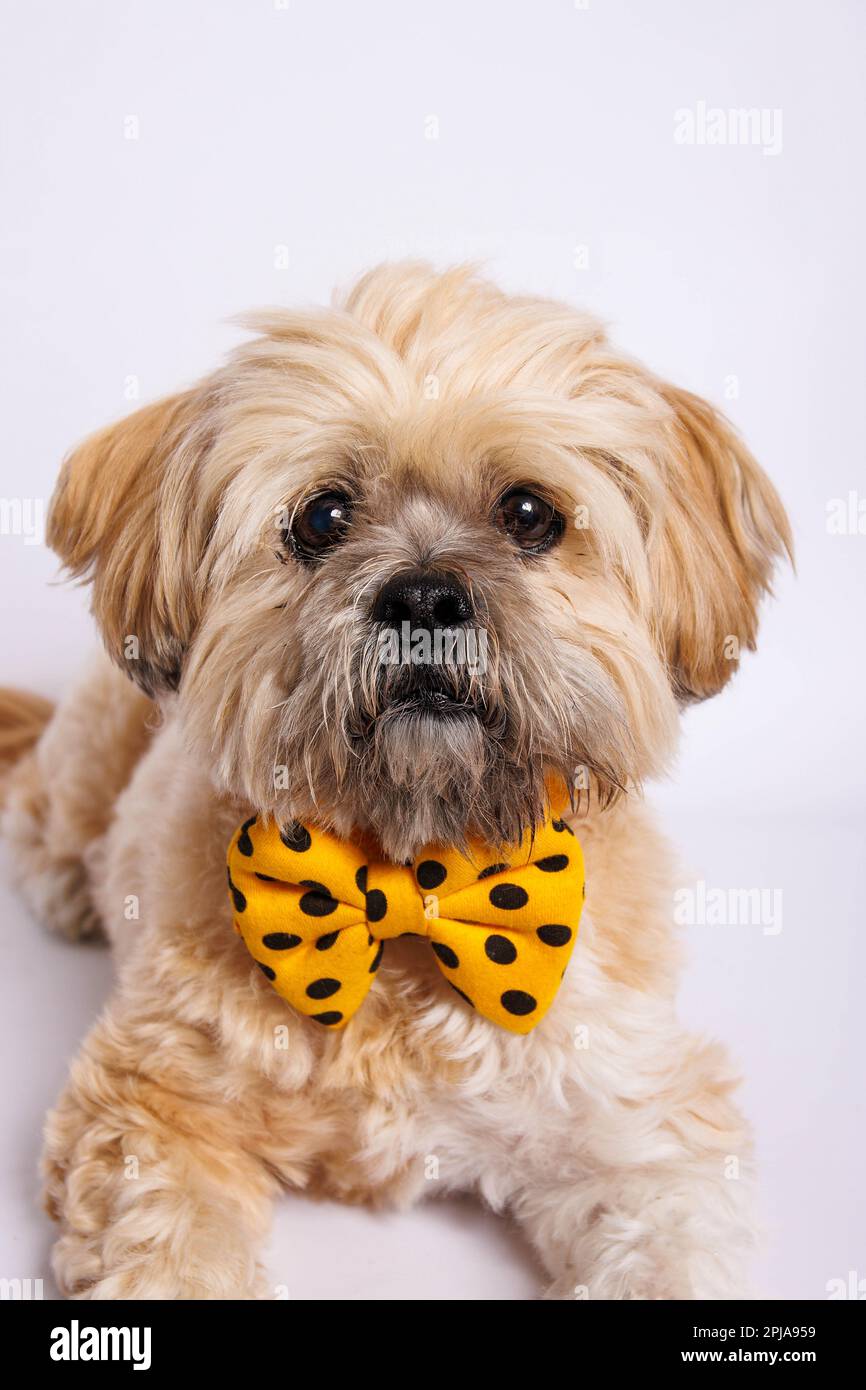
[298,137]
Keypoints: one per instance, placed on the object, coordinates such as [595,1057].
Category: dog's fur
[608,1132]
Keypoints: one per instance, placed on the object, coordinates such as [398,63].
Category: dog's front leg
[151,1169]
[648,1198]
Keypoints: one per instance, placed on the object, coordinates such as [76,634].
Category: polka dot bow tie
[315,914]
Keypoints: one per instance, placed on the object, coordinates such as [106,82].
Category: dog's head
[404,560]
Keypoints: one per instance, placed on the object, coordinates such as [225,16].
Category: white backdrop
[166,165]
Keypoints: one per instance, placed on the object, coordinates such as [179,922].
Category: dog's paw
[52,878]
[623,1285]
[60,896]
[81,1267]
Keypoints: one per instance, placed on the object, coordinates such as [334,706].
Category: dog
[427,454]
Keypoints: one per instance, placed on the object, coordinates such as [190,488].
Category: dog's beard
[420,754]
[430,741]
[320,728]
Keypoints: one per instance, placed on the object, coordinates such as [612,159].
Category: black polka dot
[552,863]
[561,825]
[323,989]
[377,959]
[266,970]
[446,955]
[500,950]
[361,878]
[266,878]
[238,898]
[331,1017]
[280,941]
[493,869]
[377,905]
[296,837]
[318,901]
[431,873]
[245,844]
[324,943]
[554,935]
[517,1001]
[508,896]
[462,995]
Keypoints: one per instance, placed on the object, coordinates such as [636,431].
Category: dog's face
[405,561]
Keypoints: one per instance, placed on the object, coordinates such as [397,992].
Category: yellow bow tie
[315,914]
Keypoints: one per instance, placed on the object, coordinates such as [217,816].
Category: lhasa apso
[386,578]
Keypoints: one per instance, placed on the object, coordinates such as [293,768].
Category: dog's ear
[713,557]
[123,515]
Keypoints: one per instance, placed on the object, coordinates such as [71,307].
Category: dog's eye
[531,522]
[320,523]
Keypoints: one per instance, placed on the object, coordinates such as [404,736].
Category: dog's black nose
[423,598]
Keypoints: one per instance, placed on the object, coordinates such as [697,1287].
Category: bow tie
[315,913]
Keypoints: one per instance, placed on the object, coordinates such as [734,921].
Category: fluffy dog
[435,452]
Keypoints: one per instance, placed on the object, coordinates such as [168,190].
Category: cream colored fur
[609,1132]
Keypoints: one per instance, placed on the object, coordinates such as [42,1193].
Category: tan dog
[432,451]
